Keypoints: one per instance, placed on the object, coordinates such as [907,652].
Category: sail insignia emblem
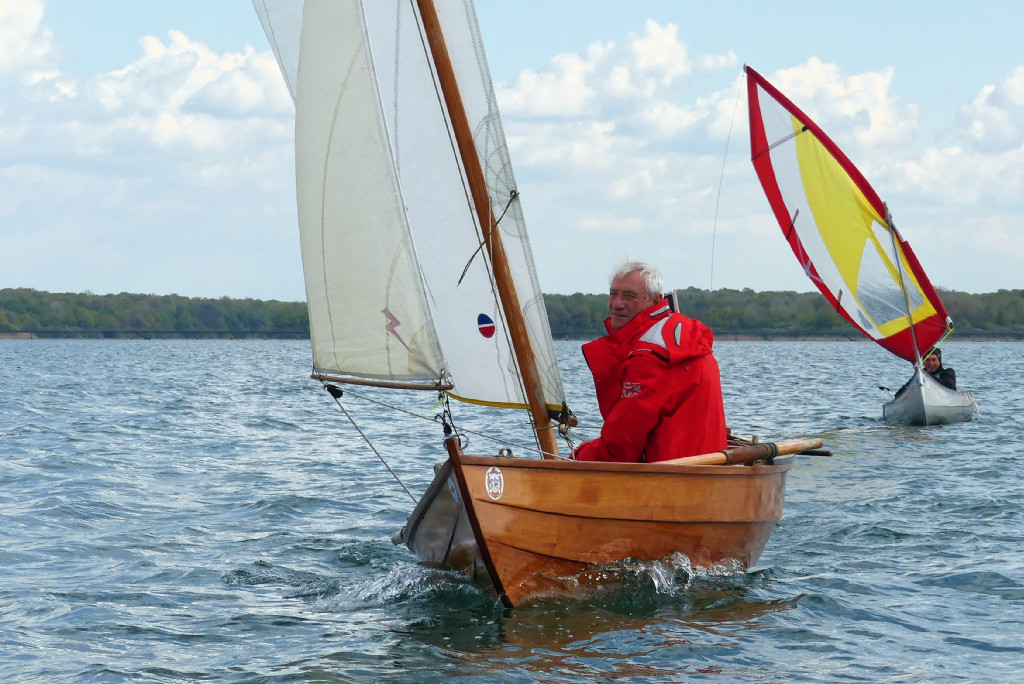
[485,324]
[630,389]
[392,325]
[495,482]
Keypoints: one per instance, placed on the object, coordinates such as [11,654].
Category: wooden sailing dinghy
[419,275]
[844,238]
[548,528]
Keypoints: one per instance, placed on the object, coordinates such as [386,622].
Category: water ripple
[201,511]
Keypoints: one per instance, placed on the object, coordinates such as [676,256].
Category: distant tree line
[789,314]
[46,314]
[728,312]
[739,312]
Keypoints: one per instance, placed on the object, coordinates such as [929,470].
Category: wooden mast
[492,238]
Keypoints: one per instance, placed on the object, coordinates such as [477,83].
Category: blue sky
[146,146]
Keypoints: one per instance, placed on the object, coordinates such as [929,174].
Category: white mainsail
[386,218]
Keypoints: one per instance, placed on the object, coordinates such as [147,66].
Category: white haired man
[658,385]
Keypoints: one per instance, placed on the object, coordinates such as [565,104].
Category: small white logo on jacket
[630,389]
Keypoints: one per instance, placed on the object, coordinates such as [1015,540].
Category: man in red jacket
[658,385]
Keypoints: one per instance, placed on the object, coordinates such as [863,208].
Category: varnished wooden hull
[542,525]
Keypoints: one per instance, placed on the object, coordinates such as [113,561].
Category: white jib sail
[367,308]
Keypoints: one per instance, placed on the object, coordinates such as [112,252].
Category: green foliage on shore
[738,312]
[728,312]
[746,313]
[48,314]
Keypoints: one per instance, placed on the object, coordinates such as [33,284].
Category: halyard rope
[512,198]
[721,181]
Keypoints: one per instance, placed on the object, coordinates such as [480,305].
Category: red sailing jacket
[658,389]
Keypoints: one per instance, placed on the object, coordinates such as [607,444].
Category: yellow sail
[839,229]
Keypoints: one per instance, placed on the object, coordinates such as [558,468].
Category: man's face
[931,363]
[627,297]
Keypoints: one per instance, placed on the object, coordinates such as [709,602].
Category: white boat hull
[927,402]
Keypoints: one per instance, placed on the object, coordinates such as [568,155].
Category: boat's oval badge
[495,482]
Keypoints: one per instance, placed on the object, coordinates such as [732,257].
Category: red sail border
[929,330]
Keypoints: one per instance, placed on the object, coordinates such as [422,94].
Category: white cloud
[609,123]
[25,44]
[994,118]
[179,162]
[998,235]
[176,94]
[860,108]
[957,176]
[579,146]
[184,74]
[665,119]
[562,90]
[659,55]
[608,77]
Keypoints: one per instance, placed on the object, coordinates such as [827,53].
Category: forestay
[839,228]
[398,286]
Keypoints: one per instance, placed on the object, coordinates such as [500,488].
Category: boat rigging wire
[721,181]
[462,431]
[337,393]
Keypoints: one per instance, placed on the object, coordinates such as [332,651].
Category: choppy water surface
[202,511]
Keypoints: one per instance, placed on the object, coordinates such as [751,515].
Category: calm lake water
[178,511]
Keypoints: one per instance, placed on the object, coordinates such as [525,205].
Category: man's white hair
[652,276]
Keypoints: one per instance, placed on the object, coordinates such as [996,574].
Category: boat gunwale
[782,464]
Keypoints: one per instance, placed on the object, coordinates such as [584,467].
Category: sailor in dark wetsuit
[933,366]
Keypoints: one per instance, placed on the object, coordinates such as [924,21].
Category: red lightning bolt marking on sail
[392,326]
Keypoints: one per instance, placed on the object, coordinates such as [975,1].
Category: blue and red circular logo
[485,324]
